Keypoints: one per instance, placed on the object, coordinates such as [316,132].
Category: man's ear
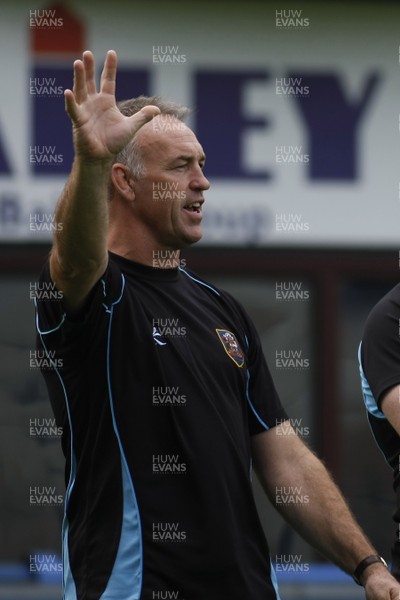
[123,181]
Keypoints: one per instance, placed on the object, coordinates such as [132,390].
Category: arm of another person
[79,254]
[324,520]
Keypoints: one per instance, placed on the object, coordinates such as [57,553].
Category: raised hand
[100,130]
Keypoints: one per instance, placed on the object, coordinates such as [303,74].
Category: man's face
[169,197]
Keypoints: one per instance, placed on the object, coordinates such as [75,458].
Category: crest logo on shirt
[231,346]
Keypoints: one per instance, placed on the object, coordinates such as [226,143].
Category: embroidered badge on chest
[231,346]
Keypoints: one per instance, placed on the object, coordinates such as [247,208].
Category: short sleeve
[380,346]
[50,313]
[264,405]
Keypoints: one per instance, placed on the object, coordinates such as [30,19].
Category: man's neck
[160,258]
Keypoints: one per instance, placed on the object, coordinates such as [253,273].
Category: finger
[88,61]
[70,105]
[109,74]
[79,89]
[149,112]
[143,116]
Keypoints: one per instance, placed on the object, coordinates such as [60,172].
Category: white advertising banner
[297,110]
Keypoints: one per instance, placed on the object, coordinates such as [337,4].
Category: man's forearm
[321,516]
[316,508]
[82,213]
[100,132]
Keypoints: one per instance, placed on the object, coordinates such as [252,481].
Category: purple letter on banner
[333,124]
[220,122]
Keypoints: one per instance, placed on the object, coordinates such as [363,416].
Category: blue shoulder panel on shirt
[251,404]
[69,591]
[274,582]
[126,577]
[369,400]
[69,588]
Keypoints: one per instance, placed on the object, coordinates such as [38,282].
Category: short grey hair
[131,155]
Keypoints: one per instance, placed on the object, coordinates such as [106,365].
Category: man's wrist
[367,566]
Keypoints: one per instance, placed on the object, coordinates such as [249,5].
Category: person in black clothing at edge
[379,360]
[163,393]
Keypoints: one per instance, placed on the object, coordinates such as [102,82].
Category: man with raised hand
[164,395]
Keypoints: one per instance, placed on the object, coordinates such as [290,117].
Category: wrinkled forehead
[166,136]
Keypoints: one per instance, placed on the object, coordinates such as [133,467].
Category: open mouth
[193,206]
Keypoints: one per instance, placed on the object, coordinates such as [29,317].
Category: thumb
[145,115]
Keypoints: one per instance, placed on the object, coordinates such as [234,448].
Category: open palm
[100,130]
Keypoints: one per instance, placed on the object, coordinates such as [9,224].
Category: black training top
[158,390]
[379,358]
